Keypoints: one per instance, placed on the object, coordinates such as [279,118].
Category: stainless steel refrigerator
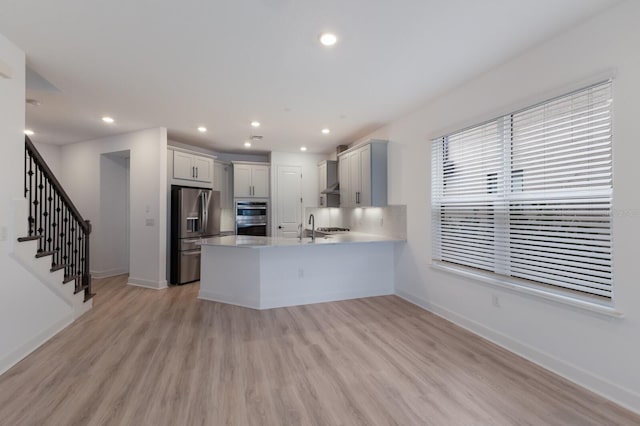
[195,214]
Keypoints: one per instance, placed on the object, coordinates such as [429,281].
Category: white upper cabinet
[250,180]
[363,175]
[193,167]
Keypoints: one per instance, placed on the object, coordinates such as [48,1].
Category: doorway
[111,256]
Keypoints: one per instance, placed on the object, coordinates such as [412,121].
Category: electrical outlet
[150,222]
[495,300]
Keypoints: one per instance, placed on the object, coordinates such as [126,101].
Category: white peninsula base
[273,275]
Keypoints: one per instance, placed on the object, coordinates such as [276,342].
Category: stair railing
[55,220]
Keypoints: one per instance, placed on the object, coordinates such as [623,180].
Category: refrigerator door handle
[204,212]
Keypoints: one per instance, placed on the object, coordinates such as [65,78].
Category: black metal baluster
[45,216]
[38,204]
[75,249]
[31,196]
[50,219]
[69,243]
[65,225]
[54,231]
[26,159]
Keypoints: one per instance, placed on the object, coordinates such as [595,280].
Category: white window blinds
[528,195]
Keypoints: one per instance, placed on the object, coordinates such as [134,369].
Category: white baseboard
[237,301]
[109,273]
[280,302]
[620,395]
[155,285]
[34,343]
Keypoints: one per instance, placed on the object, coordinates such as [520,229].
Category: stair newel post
[86,276]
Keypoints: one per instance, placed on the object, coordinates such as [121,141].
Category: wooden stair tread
[69,278]
[45,253]
[88,297]
[57,267]
[31,238]
[78,290]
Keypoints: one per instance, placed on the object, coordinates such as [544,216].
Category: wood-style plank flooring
[145,357]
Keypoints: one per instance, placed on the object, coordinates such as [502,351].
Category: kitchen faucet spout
[312,222]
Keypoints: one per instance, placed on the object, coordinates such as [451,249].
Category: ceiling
[222,64]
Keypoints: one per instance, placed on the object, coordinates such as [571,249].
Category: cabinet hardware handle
[321,200]
[196,172]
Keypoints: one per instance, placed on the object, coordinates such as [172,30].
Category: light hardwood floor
[145,357]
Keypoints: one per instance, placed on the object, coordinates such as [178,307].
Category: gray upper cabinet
[363,175]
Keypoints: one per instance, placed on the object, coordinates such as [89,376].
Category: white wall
[52,155]
[29,312]
[148,197]
[599,352]
[111,254]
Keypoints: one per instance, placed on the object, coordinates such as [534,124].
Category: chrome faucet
[312,222]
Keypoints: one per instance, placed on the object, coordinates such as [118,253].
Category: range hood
[332,189]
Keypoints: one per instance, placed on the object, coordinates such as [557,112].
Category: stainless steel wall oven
[252,217]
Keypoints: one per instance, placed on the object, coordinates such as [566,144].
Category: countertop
[261,242]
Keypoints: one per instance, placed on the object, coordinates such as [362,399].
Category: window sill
[516,287]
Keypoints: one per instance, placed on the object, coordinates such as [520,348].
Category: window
[528,195]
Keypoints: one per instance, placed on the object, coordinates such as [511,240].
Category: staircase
[56,247]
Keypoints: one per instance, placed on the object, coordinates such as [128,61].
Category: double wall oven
[252,217]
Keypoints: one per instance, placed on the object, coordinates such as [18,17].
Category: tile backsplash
[390,221]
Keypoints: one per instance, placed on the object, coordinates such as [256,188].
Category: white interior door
[288,201]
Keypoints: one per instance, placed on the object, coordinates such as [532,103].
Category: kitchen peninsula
[271,272]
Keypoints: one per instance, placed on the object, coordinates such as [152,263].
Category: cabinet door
[242,180]
[204,168]
[183,166]
[260,181]
[345,183]
[355,180]
[322,183]
[365,176]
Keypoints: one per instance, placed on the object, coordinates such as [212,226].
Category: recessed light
[29,132]
[202,129]
[255,124]
[108,119]
[328,39]
[325,131]
[247,144]
[303,148]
